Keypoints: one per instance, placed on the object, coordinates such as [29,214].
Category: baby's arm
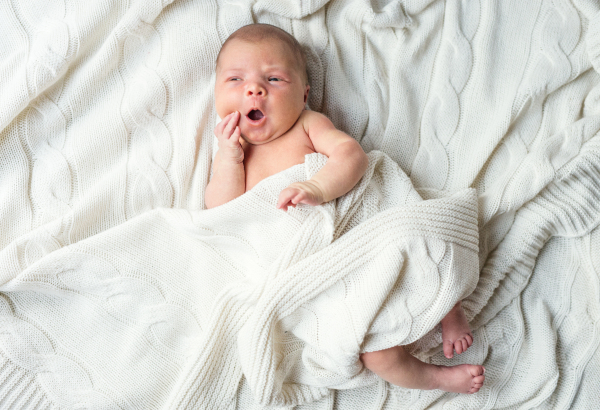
[229,177]
[346,165]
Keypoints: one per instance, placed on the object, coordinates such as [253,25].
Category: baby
[260,93]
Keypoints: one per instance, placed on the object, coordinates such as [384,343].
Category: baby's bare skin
[456,333]
[398,367]
[261,95]
[262,161]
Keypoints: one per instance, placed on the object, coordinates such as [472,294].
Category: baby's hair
[258,32]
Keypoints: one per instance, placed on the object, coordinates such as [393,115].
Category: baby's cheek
[224,104]
[223,110]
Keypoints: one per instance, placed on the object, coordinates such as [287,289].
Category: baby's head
[261,72]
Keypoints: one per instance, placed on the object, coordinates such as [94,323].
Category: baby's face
[261,81]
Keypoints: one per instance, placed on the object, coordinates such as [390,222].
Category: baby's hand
[300,193]
[228,133]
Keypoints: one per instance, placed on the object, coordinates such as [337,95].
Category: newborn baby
[260,93]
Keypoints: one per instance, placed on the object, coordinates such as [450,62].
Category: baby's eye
[274,79]
[234,79]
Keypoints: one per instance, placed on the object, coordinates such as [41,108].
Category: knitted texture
[106,135]
[286,298]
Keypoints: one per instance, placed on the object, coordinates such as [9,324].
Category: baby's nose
[255,89]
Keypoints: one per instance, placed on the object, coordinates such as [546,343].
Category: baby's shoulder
[308,116]
[313,121]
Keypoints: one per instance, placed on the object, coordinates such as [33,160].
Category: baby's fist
[307,193]
[228,133]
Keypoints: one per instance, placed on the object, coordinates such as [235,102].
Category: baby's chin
[254,139]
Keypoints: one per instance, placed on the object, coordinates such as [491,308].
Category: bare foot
[398,367]
[456,333]
[464,378]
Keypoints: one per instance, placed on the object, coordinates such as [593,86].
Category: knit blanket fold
[397,266]
[294,296]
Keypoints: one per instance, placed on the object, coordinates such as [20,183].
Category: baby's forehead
[279,51]
[275,45]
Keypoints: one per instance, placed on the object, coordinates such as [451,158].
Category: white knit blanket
[118,291]
[289,299]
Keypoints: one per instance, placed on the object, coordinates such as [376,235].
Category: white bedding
[106,132]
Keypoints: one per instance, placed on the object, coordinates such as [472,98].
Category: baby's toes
[458,346]
[476,383]
[474,389]
[448,349]
[463,343]
[476,371]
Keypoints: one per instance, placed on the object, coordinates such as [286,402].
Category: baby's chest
[265,160]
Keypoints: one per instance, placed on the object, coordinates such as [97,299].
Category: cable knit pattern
[441,115]
[29,349]
[593,46]
[51,43]
[49,47]
[134,301]
[110,298]
[51,178]
[144,104]
[549,67]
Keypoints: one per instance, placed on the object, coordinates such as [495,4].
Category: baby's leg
[456,333]
[398,367]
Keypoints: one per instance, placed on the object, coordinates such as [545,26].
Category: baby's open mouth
[255,115]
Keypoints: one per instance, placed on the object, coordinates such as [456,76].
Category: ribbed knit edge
[569,206]
[452,219]
[19,389]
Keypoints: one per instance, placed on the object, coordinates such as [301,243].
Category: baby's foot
[456,333]
[464,378]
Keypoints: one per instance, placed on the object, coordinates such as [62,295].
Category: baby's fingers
[235,136]
[284,199]
[226,126]
[221,125]
[286,205]
[288,197]
[231,125]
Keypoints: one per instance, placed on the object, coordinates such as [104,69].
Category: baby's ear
[306,93]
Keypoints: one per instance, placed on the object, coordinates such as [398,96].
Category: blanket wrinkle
[316,264]
[506,274]
[288,8]
[592,43]
[390,15]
